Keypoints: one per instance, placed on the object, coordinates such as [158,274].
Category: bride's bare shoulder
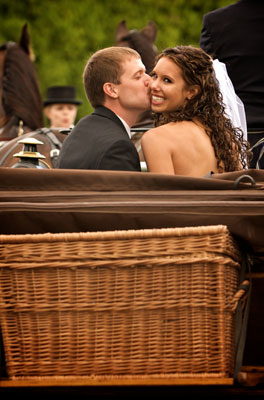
[170,127]
[152,134]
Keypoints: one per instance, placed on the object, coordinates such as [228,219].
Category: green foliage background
[64,33]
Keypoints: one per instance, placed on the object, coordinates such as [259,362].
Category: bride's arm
[156,153]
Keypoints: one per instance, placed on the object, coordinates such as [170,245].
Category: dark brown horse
[20,98]
[142,41]
[21,107]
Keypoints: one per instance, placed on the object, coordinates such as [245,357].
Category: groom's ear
[110,90]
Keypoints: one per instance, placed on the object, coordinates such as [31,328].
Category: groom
[117,86]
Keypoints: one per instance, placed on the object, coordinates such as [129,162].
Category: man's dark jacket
[235,35]
[99,142]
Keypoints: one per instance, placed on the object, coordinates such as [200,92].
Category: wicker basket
[154,301]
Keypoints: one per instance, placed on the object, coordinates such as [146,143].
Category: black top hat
[61,94]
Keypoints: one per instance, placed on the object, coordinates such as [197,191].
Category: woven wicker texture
[119,303]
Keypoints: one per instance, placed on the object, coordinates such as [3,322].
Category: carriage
[111,209]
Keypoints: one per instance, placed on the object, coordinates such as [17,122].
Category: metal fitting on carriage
[29,156]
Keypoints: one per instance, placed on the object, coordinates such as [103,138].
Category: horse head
[20,97]
[142,41]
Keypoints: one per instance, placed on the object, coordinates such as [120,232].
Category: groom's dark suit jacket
[235,35]
[99,141]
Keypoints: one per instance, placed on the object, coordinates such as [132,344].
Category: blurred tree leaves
[64,33]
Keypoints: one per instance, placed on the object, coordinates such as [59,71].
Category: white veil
[234,106]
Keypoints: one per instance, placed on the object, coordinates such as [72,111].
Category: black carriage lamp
[29,156]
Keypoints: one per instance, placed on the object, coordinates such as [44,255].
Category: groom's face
[134,92]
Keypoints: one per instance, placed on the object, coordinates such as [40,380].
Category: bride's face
[168,89]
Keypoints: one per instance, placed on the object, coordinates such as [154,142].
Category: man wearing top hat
[60,107]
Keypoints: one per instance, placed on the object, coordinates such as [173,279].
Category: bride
[193,133]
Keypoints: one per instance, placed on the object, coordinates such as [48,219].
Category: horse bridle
[56,145]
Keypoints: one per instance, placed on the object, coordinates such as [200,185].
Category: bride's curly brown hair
[207,107]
